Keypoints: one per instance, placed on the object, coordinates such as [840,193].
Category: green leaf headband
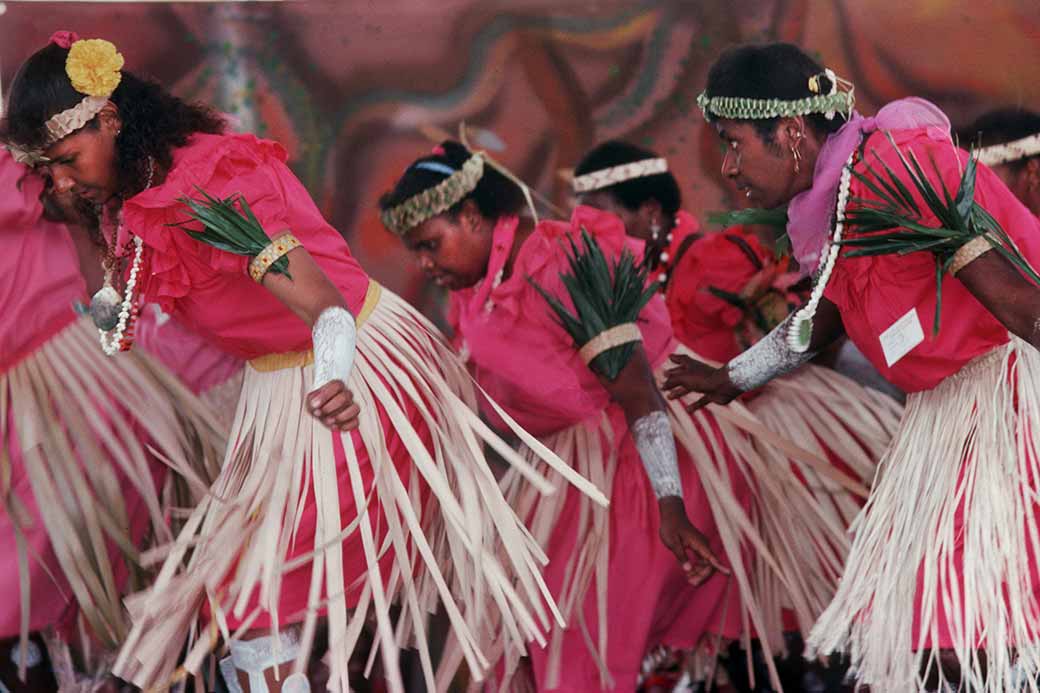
[436,200]
[743,108]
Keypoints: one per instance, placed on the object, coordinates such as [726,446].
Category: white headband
[606,177]
[94,68]
[1010,151]
[61,125]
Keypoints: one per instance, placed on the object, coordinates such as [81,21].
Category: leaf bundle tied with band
[230,225]
[607,298]
[893,222]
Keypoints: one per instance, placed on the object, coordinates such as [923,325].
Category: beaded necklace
[115,330]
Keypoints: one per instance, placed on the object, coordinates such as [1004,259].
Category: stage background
[347,85]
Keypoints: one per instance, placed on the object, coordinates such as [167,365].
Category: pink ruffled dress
[945,553]
[621,589]
[77,478]
[724,292]
[39,284]
[305,523]
[206,370]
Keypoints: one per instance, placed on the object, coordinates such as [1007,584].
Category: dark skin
[453,251]
[763,170]
[758,168]
[84,164]
[1024,181]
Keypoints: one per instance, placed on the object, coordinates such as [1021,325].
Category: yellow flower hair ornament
[93,67]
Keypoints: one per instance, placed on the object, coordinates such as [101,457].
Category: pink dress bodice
[519,352]
[209,290]
[872,293]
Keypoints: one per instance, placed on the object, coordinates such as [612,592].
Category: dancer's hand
[333,404]
[689,545]
[688,375]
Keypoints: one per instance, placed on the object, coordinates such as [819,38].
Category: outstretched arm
[769,358]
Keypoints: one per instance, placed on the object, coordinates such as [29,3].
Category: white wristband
[656,446]
[768,358]
[256,656]
[335,338]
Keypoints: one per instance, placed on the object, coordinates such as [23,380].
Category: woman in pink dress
[724,292]
[1008,141]
[355,477]
[628,577]
[79,486]
[941,583]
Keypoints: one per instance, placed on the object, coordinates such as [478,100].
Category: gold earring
[797,154]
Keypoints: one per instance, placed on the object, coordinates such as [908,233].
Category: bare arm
[1004,292]
[309,294]
[645,412]
[769,358]
[633,390]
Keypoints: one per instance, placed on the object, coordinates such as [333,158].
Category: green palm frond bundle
[229,225]
[605,295]
[894,224]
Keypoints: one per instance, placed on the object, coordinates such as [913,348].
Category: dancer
[724,292]
[620,585]
[366,501]
[80,489]
[1008,141]
[940,583]
[727,290]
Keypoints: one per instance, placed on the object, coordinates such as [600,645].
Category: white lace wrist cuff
[656,446]
[768,358]
[335,338]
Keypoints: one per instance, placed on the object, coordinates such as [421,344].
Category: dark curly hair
[770,71]
[631,194]
[154,122]
[495,195]
[1001,126]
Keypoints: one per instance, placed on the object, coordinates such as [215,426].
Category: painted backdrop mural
[357,88]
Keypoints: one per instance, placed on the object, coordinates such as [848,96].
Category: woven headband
[436,200]
[606,177]
[93,67]
[1009,151]
[744,108]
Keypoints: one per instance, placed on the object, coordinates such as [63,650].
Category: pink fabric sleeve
[875,292]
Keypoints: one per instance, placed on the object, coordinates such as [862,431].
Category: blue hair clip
[436,167]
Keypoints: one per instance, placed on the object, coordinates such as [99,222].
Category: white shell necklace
[799,331]
[103,303]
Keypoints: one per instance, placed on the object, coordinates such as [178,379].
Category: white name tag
[904,334]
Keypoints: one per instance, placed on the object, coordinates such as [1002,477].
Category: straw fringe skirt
[843,422]
[945,552]
[79,472]
[783,538]
[403,511]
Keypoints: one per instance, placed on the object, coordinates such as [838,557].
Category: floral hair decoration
[93,67]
